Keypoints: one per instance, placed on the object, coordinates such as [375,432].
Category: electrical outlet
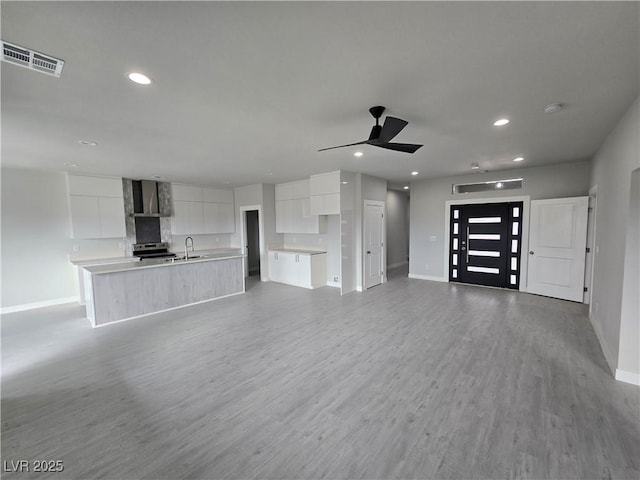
[433,238]
[218,239]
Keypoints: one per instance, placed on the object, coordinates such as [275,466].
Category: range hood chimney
[145,199]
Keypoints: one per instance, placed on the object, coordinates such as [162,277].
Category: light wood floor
[411,379]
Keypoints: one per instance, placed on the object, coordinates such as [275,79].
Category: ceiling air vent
[32,60]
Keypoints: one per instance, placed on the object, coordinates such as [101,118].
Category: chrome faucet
[186,247]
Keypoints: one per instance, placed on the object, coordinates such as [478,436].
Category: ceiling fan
[381,136]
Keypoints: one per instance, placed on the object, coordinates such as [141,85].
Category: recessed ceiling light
[518,159]
[501,122]
[553,108]
[358,154]
[499,185]
[88,143]
[139,78]
[344,183]
[70,164]
[475,166]
[406,187]
[159,177]
[414,173]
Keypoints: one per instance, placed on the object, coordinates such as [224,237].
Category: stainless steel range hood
[145,199]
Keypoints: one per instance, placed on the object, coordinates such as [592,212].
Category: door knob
[531,252]
[368,252]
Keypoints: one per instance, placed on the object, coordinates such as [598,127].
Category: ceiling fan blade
[400,147]
[347,145]
[392,127]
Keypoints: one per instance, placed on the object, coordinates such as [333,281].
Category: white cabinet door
[332,204]
[186,193]
[227,218]
[95,186]
[217,195]
[284,191]
[196,217]
[279,216]
[301,189]
[327,204]
[85,216]
[324,183]
[284,216]
[316,203]
[275,270]
[303,270]
[299,223]
[180,218]
[211,214]
[112,222]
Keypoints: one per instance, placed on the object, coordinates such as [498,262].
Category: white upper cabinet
[325,193]
[97,207]
[95,186]
[217,195]
[187,193]
[202,210]
[284,191]
[293,213]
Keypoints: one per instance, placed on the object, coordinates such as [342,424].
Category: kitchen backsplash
[164,205]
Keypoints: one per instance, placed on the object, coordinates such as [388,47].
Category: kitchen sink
[182,258]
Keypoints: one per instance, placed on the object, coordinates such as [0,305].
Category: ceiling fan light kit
[381,136]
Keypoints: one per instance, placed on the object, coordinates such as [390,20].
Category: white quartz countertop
[159,262]
[296,250]
[112,260]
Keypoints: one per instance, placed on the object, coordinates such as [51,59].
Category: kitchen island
[121,291]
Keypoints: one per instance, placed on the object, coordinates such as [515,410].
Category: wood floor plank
[410,379]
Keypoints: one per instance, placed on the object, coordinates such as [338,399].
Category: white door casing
[557,247]
[373,243]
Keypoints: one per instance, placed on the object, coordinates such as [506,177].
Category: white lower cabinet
[307,270]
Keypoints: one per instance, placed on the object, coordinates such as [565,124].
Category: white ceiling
[248,92]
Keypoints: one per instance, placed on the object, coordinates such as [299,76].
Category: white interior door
[373,242]
[557,247]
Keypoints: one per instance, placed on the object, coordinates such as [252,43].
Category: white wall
[428,197]
[36,238]
[397,228]
[612,167]
[371,188]
[264,196]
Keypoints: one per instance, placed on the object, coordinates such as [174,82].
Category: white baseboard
[396,265]
[595,323]
[334,284]
[628,377]
[31,306]
[428,277]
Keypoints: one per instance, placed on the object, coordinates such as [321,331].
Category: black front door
[485,244]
